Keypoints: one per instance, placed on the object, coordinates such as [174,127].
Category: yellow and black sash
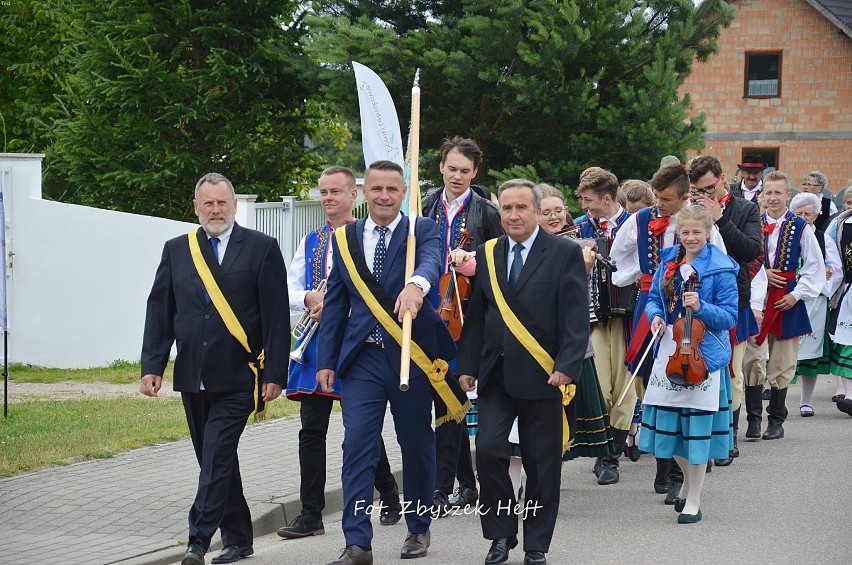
[230,310]
[524,331]
[451,402]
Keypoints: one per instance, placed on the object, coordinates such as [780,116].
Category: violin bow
[458,296]
[638,366]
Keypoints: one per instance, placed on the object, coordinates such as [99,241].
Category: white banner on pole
[379,123]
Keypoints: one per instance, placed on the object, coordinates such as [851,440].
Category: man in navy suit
[355,348]
[212,371]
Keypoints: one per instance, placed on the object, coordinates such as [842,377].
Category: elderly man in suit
[367,295]
[217,376]
[525,336]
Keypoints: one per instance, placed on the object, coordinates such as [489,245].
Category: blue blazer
[346,319]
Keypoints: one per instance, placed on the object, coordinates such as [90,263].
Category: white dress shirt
[527,243]
[371,238]
[223,242]
[296,273]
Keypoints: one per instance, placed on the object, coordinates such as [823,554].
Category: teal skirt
[695,435]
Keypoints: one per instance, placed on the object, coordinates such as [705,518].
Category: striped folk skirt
[695,435]
[588,418]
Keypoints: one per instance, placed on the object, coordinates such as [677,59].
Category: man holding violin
[465,220]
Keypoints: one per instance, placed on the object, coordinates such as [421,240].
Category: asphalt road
[784,501]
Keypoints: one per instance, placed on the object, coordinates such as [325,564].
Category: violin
[686,366]
[454,291]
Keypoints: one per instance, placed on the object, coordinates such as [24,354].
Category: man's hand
[270,391]
[150,385]
[775,279]
[786,303]
[467,383]
[588,258]
[316,312]
[325,380]
[558,378]
[711,205]
[411,298]
[313,302]
[458,257]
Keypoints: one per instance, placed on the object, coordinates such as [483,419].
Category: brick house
[781,87]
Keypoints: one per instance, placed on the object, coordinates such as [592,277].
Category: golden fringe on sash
[230,319]
[435,370]
[527,340]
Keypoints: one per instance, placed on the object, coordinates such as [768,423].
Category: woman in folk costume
[691,423]
[840,328]
[814,357]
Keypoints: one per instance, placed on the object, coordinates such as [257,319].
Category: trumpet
[305,329]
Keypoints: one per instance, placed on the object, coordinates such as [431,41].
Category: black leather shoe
[464,496]
[415,545]
[773,431]
[838,397]
[598,467]
[766,394]
[391,513]
[499,552]
[753,429]
[609,472]
[662,482]
[302,526]
[440,505]
[724,462]
[672,496]
[232,553]
[534,558]
[845,406]
[194,555]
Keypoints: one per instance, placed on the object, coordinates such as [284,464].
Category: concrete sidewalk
[133,508]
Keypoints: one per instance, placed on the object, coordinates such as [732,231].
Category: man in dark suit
[543,281]
[361,352]
[212,370]
[750,185]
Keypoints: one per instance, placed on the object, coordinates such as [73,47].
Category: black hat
[752,162]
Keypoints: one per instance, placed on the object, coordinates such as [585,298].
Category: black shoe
[499,552]
[391,512]
[194,554]
[735,452]
[534,558]
[709,465]
[753,430]
[774,431]
[302,526]
[662,482]
[838,397]
[441,504]
[724,462]
[232,553]
[674,494]
[598,467]
[415,545]
[767,392]
[609,472]
[464,496]
[845,406]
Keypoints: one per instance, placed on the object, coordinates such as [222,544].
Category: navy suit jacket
[346,319]
[178,313]
[553,289]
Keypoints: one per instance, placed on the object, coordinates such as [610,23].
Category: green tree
[161,92]
[552,84]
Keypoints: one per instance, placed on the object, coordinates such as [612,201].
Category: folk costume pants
[613,374]
[369,383]
[737,377]
[754,363]
[216,421]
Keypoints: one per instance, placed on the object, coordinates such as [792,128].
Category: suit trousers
[540,431]
[370,382]
[453,459]
[315,412]
[216,421]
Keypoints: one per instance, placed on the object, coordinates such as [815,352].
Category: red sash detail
[773,318]
[645,282]
[637,340]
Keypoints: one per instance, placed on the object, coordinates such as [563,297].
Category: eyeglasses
[554,212]
[706,190]
[810,185]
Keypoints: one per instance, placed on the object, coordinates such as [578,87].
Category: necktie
[378,262]
[517,264]
[214,243]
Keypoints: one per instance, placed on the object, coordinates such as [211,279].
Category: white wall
[78,277]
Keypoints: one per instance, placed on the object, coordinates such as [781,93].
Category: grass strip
[46,433]
[118,373]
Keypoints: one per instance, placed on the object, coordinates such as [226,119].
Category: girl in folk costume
[840,233]
[691,423]
[815,348]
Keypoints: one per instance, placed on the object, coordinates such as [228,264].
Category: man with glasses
[750,184]
[738,222]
